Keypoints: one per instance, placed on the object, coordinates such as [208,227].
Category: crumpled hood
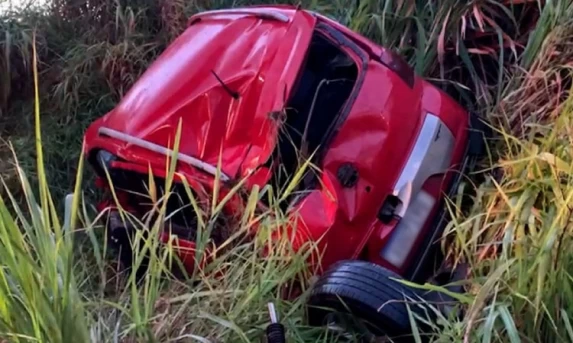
[257,58]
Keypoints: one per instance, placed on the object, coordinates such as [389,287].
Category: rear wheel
[378,303]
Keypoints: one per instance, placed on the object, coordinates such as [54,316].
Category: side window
[325,83]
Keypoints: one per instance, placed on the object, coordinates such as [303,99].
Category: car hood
[193,80]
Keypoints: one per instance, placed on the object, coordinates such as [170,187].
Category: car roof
[255,52]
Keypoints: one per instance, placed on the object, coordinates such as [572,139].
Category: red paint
[260,59]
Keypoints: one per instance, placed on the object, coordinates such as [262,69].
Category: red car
[255,86]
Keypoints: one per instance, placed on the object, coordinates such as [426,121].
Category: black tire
[369,293]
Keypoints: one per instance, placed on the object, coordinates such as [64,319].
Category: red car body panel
[260,58]
[376,139]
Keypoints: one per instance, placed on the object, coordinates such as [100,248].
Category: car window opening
[325,83]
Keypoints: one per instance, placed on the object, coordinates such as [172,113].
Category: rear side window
[325,83]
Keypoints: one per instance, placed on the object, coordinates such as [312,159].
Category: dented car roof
[255,55]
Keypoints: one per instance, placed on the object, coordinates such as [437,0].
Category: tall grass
[515,240]
[40,297]
[43,283]
[509,62]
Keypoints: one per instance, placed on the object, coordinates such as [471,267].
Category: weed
[70,61]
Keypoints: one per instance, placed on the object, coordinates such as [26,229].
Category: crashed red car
[253,87]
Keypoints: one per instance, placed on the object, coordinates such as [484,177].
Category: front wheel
[369,294]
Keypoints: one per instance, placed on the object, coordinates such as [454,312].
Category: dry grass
[510,62]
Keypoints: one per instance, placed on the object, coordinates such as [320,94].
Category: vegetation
[67,63]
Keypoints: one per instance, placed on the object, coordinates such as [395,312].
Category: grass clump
[509,61]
